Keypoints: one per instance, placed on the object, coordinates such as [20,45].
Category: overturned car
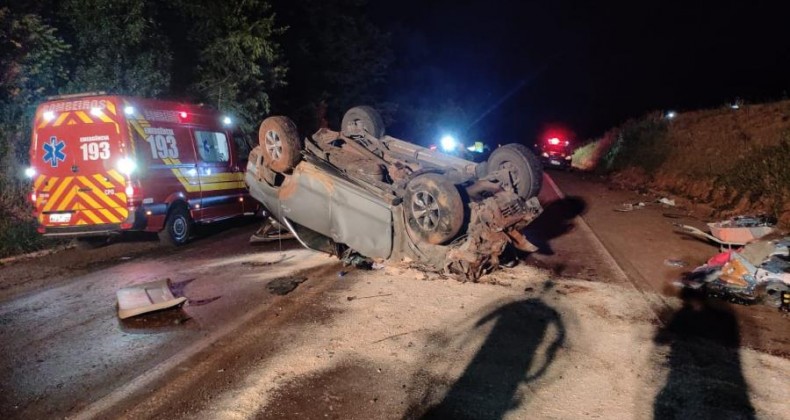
[358,191]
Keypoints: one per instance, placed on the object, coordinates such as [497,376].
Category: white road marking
[607,256]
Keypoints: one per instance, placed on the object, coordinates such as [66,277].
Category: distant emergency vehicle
[104,164]
[555,151]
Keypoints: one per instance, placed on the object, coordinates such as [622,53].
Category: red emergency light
[554,140]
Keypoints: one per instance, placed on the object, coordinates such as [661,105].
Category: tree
[238,60]
[30,68]
[119,47]
[31,56]
[337,58]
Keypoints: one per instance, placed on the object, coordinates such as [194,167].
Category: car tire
[91,242]
[367,117]
[280,144]
[525,167]
[772,293]
[434,209]
[178,227]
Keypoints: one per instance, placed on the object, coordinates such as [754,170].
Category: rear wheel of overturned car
[434,209]
[364,117]
[525,173]
[178,227]
[280,143]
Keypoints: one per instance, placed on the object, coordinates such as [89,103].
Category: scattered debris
[355,259]
[342,273]
[147,297]
[284,285]
[270,231]
[396,335]
[743,228]
[679,216]
[737,231]
[630,207]
[282,258]
[350,298]
[201,302]
[666,201]
[760,272]
[674,263]
[377,266]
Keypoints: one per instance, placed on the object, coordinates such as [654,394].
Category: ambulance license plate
[555,162]
[59,217]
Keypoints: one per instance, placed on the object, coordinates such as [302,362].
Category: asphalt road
[641,241]
[64,347]
[65,352]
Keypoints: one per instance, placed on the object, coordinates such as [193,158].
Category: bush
[764,172]
[638,143]
[17,226]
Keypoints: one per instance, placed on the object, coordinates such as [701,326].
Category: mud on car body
[358,190]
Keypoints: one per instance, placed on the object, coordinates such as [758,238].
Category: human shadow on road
[488,387]
[555,221]
[705,380]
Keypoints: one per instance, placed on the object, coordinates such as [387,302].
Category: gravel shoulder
[398,344]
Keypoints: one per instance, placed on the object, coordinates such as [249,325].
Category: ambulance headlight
[128,110]
[96,112]
[226,120]
[49,115]
[30,172]
[126,166]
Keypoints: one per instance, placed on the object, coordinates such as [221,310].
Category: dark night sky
[586,64]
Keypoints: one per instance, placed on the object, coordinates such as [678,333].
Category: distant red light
[554,140]
[183,115]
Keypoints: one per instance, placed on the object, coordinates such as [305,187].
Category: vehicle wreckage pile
[759,272]
[361,191]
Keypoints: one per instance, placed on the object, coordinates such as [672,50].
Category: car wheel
[774,292]
[178,227]
[526,172]
[91,242]
[434,209]
[280,144]
[364,117]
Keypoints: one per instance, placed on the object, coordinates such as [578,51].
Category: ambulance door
[168,169]
[221,182]
[76,155]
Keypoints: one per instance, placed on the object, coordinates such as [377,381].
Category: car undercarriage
[359,191]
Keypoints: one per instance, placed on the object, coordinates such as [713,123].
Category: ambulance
[103,164]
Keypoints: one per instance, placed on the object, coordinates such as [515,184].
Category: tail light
[134,193]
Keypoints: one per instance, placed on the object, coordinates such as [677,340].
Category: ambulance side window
[212,146]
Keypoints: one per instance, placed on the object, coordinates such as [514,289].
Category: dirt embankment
[724,161]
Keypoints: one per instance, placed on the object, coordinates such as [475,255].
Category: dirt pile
[726,161]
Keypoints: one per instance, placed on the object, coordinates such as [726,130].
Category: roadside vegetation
[723,160]
[248,59]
